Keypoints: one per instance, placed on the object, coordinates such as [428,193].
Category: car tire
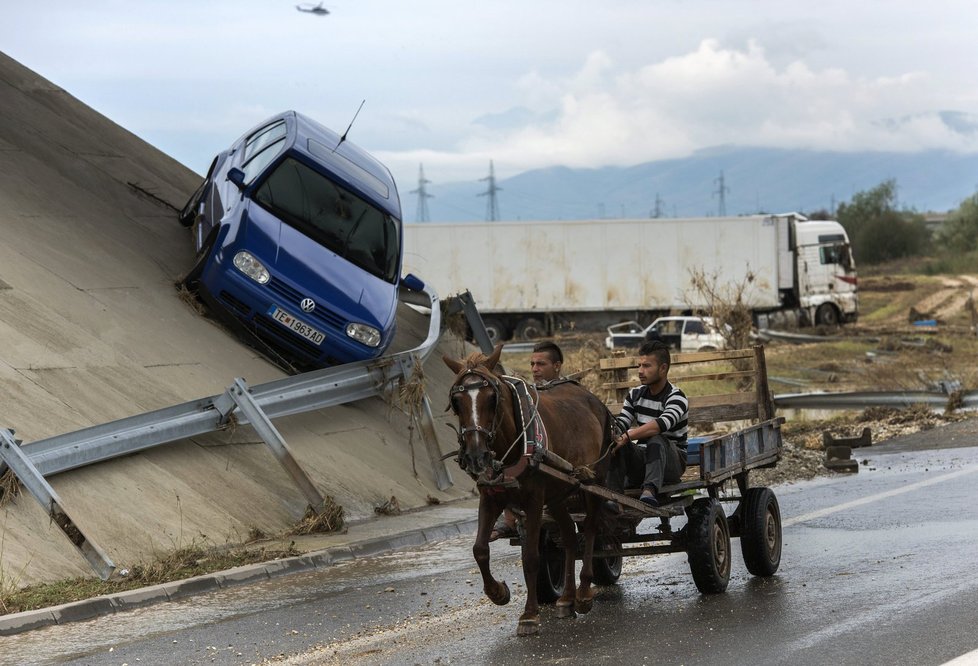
[188,213]
[191,280]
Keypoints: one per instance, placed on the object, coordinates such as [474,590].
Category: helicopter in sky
[318,10]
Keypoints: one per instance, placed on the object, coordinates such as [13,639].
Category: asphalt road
[877,568]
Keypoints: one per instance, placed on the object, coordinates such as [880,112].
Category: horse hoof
[583,606]
[565,610]
[529,627]
[501,598]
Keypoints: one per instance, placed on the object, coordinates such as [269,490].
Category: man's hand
[620,441]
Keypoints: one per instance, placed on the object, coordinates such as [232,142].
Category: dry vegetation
[882,352]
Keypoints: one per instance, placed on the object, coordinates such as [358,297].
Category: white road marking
[969,659]
[827,511]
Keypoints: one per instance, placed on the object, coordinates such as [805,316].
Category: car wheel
[188,213]
[191,279]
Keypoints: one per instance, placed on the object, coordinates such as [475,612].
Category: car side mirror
[412,282]
[237,176]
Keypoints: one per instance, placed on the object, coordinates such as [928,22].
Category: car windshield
[332,216]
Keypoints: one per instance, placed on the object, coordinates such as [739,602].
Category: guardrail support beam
[34,481]
[245,402]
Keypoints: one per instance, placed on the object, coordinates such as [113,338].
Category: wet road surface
[876,568]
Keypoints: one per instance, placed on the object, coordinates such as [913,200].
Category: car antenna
[343,138]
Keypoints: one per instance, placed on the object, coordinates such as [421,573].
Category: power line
[492,207]
[423,196]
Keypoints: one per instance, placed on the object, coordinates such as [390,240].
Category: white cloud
[713,95]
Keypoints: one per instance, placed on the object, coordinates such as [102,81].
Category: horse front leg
[585,594]
[491,504]
[568,535]
[529,624]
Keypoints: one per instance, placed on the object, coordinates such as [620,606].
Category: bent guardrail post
[20,464]
[239,393]
[472,316]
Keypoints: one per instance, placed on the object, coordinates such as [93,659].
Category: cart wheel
[550,575]
[708,546]
[760,535]
[606,570]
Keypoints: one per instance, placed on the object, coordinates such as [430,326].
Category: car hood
[317,271]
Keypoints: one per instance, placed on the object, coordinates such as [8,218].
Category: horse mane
[474,360]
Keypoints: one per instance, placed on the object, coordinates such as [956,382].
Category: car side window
[263,138]
[695,326]
[257,163]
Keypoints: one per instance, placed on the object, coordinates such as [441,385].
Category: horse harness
[530,429]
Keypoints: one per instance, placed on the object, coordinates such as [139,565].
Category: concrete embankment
[92,330]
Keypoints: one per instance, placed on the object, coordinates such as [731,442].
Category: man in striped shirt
[654,421]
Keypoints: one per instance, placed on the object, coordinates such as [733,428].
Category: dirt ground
[884,351]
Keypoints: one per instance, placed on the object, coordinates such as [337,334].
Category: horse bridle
[490,435]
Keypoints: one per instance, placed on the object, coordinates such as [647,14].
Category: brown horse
[491,450]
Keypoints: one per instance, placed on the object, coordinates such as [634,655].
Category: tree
[960,232]
[878,231]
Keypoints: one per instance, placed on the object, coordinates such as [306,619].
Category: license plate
[290,322]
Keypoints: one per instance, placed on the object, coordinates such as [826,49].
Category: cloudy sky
[453,84]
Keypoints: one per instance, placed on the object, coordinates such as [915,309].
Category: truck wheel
[827,315]
[530,329]
[708,546]
[550,575]
[496,330]
[606,570]
[760,535]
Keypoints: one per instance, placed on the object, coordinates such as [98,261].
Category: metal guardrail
[862,399]
[257,405]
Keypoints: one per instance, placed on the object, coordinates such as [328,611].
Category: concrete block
[838,453]
[191,586]
[248,573]
[842,466]
[16,623]
[370,548]
[142,596]
[83,610]
[289,565]
[864,439]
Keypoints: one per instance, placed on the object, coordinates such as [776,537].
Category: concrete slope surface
[93,330]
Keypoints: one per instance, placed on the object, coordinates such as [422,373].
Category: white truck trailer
[530,279]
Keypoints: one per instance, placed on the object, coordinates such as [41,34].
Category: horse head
[481,401]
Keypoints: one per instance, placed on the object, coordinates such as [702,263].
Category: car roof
[359,170]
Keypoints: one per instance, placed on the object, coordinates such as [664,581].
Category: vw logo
[307,305]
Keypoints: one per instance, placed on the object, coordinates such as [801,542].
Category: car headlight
[368,335]
[247,264]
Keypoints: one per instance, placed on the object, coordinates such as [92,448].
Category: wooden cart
[725,387]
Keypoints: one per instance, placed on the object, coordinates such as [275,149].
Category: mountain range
[752,180]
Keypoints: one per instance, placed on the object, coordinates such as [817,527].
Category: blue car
[298,239]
